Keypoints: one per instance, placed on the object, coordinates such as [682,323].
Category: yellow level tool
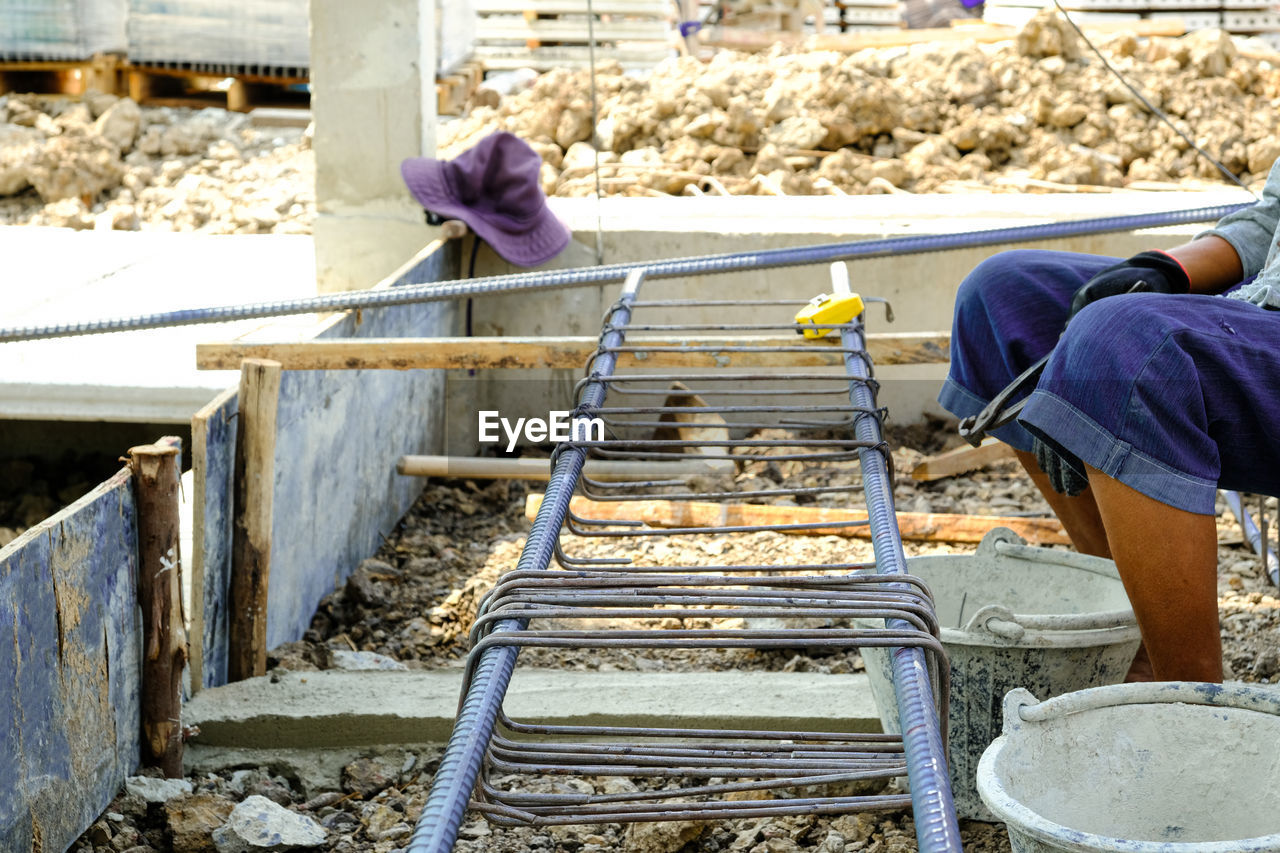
[827,310]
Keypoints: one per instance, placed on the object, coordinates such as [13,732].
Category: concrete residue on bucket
[1173,767]
[1012,615]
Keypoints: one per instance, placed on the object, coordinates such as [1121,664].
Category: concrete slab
[852,217]
[55,275]
[335,709]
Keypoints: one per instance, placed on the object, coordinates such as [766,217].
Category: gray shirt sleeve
[1252,230]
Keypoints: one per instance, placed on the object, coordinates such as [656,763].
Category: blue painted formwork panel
[70,668]
[214,436]
[338,436]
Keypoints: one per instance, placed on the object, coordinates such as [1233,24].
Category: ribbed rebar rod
[437,828]
[931,802]
[553,279]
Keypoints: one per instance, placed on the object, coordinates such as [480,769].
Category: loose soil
[415,599]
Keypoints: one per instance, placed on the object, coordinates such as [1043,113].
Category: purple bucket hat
[493,187]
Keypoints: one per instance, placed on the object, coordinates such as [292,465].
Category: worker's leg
[1083,523]
[1009,312]
[1079,514]
[1168,559]
[1164,399]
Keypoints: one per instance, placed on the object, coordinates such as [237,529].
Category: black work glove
[1145,272]
[1065,471]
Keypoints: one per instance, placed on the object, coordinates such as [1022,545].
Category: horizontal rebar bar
[604,274]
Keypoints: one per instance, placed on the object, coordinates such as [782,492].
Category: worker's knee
[994,280]
[1119,337]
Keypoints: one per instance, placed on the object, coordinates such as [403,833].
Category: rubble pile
[104,162]
[1039,112]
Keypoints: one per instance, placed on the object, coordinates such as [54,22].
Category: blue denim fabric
[1009,312]
[1175,396]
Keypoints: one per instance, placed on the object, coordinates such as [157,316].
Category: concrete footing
[339,710]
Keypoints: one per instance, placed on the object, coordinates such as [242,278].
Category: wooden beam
[251,528]
[164,639]
[566,352]
[482,468]
[917,526]
[961,459]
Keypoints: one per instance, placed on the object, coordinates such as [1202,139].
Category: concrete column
[374,103]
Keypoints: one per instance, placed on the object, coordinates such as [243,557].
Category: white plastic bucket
[1170,767]
[1012,615]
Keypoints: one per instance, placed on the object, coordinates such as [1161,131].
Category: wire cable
[595,125]
[1152,108]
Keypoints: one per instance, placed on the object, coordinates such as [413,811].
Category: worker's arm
[1211,263]
[1251,230]
[1208,264]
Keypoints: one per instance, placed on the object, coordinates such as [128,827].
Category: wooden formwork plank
[917,526]
[960,460]
[567,352]
[484,468]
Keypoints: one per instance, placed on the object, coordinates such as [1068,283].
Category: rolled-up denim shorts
[1175,396]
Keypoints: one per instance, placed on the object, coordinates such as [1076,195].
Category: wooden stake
[571,352]
[961,459]
[251,528]
[918,526]
[164,637]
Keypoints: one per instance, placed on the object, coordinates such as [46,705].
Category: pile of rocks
[104,162]
[1036,112]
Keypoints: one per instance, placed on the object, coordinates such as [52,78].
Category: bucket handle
[1020,706]
[999,620]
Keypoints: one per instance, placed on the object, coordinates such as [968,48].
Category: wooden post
[139,83]
[251,527]
[164,637]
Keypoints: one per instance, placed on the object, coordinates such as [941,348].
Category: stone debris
[257,825]
[153,790]
[193,819]
[363,661]
[1038,112]
[105,163]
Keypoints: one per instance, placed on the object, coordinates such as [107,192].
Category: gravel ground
[415,598]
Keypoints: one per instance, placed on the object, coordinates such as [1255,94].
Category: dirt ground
[414,600]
